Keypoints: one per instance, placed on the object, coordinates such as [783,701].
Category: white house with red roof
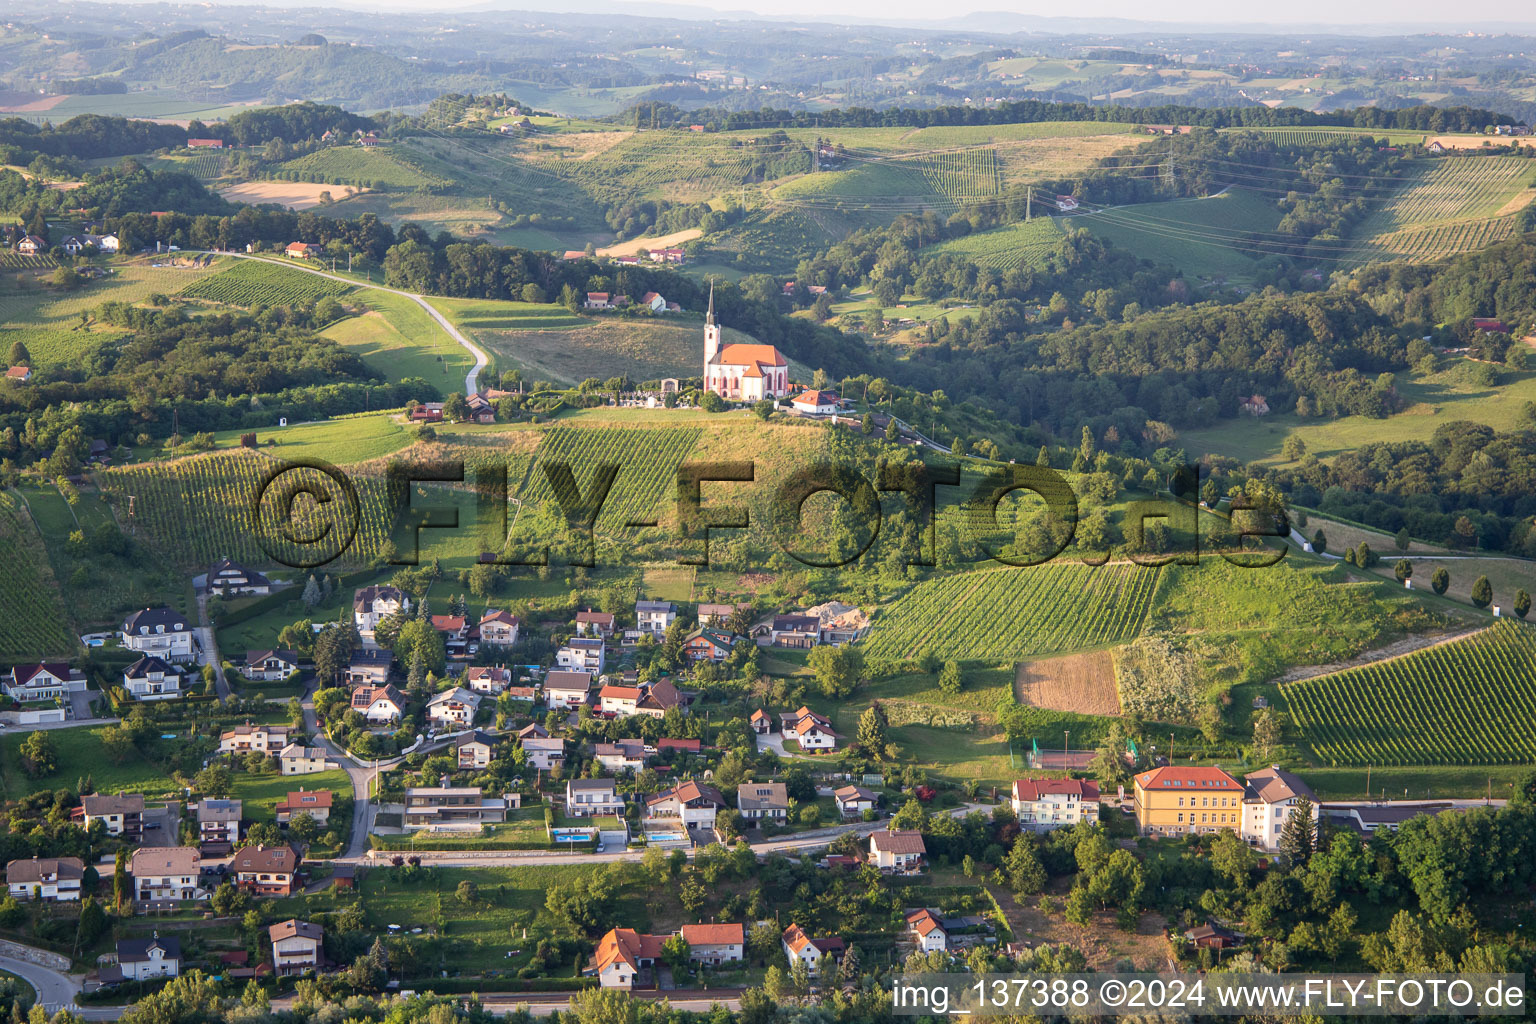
[46,681]
[1045,804]
[741,372]
[927,930]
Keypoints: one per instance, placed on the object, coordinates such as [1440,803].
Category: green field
[80,753]
[398,339]
[644,348]
[34,622]
[1463,702]
[490,314]
[1452,204]
[1207,238]
[1006,614]
[264,282]
[261,793]
[339,442]
[1025,244]
[386,167]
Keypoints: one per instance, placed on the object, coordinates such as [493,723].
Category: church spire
[709,316]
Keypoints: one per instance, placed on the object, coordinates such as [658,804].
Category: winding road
[481,359]
[56,990]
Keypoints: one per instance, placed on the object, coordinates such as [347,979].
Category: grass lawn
[1416,783]
[261,793]
[339,441]
[80,753]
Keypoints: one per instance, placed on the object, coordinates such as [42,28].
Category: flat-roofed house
[586,798]
[437,806]
[795,631]
[242,739]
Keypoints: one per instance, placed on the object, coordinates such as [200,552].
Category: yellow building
[1178,801]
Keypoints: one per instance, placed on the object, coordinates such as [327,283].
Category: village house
[624,958]
[853,801]
[487,679]
[657,698]
[586,798]
[45,681]
[544,752]
[218,825]
[499,627]
[51,879]
[454,628]
[567,689]
[150,678]
[898,851]
[31,245]
[1177,800]
[800,946]
[267,870]
[691,804]
[166,873]
[714,614]
[297,946]
[715,944]
[77,244]
[453,709]
[815,403]
[1212,936]
[122,814]
[302,250]
[266,739]
[144,959]
[654,301]
[795,631]
[159,632]
[927,930]
[297,759]
[597,300]
[475,749]
[582,654]
[443,806]
[1269,798]
[763,802]
[525,694]
[372,604]
[205,143]
[369,666]
[314,802]
[838,623]
[761,722]
[812,731]
[227,579]
[621,755]
[379,705]
[18,374]
[654,616]
[708,645]
[741,372]
[1045,804]
[270,666]
[427,412]
[684,746]
[591,623]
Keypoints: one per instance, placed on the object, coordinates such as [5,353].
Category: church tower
[711,333]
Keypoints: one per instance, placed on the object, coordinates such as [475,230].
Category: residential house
[205,143]
[815,403]
[567,689]
[526,694]
[438,806]
[371,604]
[691,804]
[811,952]
[150,678]
[598,300]
[297,759]
[812,731]
[297,946]
[591,623]
[544,752]
[18,374]
[795,631]
[453,709]
[654,301]
[683,746]
[489,679]
[161,632]
[166,873]
[708,645]
[31,245]
[369,666]
[533,730]
[898,850]
[427,412]
[839,623]
[228,579]
[715,614]
[761,722]
[654,616]
[1269,799]
[123,814]
[763,802]
[657,698]
[853,801]
[499,627]
[266,739]
[454,628]
[480,408]
[475,749]
[144,959]
[927,930]
[314,802]
[1212,936]
[1177,800]
[1045,804]
[625,957]
[621,755]
[582,654]
[587,798]
[302,250]
[618,700]
[45,681]
[270,666]
[379,705]
[218,825]
[267,870]
[51,879]
[715,944]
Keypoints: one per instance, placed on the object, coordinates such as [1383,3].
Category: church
[741,373]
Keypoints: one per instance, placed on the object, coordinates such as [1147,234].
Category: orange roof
[714,934]
[795,938]
[620,692]
[448,623]
[1193,777]
[628,946]
[755,370]
[741,354]
[307,798]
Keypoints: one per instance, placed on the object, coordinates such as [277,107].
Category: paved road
[363,809]
[209,642]
[56,990]
[481,360]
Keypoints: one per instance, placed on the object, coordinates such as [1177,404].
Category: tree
[213,781]
[1403,540]
[838,669]
[692,894]
[311,592]
[455,408]
[468,893]
[872,724]
[1403,570]
[1319,541]
[1267,732]
[228,900]
[19,354]
[892,431]
[1026,875]
[712,402]
[1086,447]
[1522,602]
[763,410]
[1293,448]
[1298,836]
[1441,580]
[951,681]
[851,967]
[39,755]
[1482,592]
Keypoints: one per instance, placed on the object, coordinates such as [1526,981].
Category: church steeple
[712,334]
[709,315]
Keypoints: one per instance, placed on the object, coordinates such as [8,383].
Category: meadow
[1462,702]
[250,283]
[30,605]
[80,753]
[640,348]
[397,338]
[378,167]
[1206,238]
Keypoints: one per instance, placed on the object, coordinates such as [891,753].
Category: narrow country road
[481,360]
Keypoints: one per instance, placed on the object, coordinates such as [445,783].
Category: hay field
[295,195]
[1081,683]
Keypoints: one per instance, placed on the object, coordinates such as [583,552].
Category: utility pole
[1029,202]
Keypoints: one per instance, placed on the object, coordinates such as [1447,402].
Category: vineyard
[197,510]
[1464,702]
[354,165]
[266,283]
[29,601]
[647,461]
[1315,136]
[1007,614]
[1452,205]
[963,175]
[1025,244]
[12,260]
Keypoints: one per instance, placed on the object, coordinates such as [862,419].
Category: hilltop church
[741,373]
